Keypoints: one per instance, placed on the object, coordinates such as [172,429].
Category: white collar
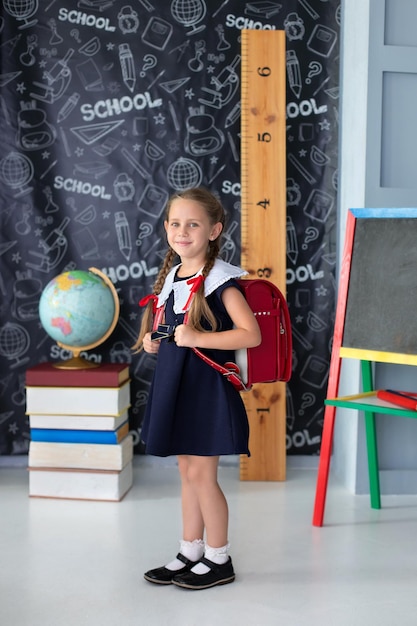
[220,273]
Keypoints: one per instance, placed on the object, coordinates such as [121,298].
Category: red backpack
[269,362]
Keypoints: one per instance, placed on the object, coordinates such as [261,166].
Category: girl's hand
[186,337]
[151,347]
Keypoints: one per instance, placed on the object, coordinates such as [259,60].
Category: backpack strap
[229,370]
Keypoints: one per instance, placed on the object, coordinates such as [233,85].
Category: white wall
[352,181]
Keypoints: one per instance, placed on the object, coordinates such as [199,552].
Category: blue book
[80,436]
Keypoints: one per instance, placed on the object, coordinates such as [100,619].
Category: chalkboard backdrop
[106,108]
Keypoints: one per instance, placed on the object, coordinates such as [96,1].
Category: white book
[80,484]
[78,422]
[97,456]
[78,400]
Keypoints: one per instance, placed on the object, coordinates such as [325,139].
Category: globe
[184,174]
[16,170]
[79,310]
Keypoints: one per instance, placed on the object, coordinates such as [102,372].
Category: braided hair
[199,308]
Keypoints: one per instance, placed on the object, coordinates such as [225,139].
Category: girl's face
[189,231]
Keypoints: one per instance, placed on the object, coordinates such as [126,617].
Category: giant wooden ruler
[263,230]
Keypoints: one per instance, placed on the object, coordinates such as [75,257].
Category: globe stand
[77,362]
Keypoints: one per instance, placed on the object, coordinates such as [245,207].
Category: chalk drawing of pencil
[127,64]
[292,244]
[293,71]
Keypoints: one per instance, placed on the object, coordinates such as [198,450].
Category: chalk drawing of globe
[188,12]
[184,174]
[14,342]
[16,170]
[79,310]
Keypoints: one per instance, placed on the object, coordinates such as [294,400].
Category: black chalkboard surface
[381,308]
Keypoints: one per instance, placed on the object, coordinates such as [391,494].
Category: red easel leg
[334,375]
[324,465]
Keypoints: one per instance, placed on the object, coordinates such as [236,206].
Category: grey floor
[71,563]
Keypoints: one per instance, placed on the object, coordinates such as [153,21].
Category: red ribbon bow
[195,283]
[146,299]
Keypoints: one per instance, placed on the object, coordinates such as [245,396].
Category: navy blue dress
[192,409]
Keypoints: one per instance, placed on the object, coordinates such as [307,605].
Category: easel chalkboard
[375,320]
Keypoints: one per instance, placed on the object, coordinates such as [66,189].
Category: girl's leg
[208,504]
[192,543]
[192,519]
[205,504]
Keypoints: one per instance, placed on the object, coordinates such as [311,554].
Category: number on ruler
[264,137]
[263,203]
[264,71]
[264,272]
[261,413]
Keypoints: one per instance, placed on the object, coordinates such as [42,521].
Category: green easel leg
[371,441]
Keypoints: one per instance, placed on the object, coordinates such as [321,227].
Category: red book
[104,375]
[404,399]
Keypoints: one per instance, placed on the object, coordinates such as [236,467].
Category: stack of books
[80,446]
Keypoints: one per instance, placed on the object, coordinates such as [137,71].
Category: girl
[193,411]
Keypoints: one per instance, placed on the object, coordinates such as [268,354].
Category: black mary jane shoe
[218,575]
[164,576]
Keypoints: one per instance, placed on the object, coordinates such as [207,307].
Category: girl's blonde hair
[199,308]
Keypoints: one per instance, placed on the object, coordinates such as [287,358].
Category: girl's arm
[245,334]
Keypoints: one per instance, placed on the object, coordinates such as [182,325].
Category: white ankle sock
[193,550]
[217,555]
